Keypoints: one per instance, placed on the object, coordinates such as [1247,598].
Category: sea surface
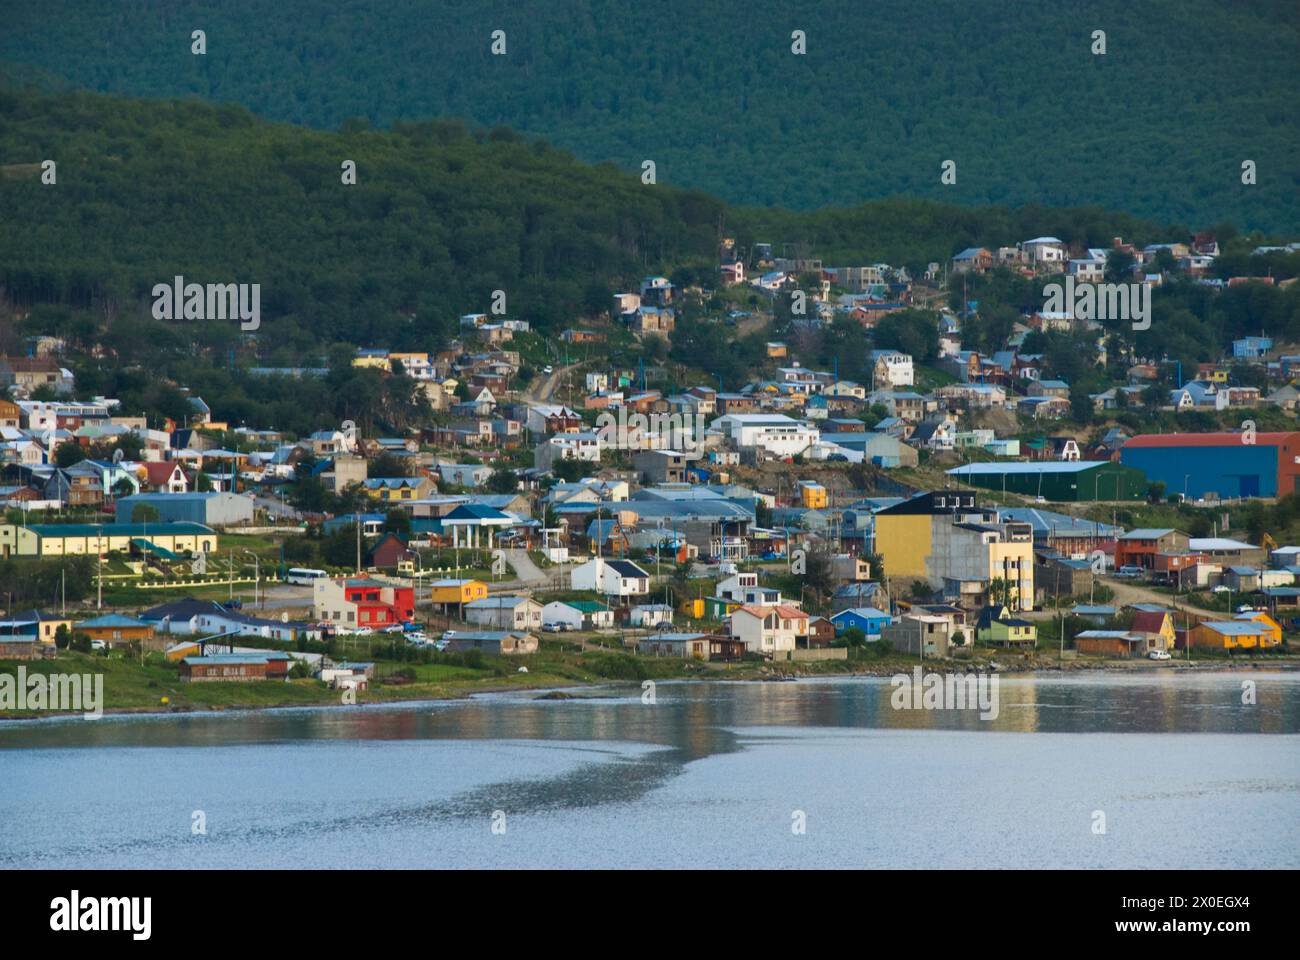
[1168,769]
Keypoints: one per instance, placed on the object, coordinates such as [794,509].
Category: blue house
[867,619]
[1251,348]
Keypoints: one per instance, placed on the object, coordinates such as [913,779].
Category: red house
[363,602]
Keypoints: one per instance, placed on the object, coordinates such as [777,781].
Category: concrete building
[945,540]
[922,634]
[775,433]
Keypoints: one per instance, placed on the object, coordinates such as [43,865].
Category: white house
[614,578]
[505,613]
[768,630]
[578,615]
[776,433]
[1044,250]
[892,368]
[650,615]
[742,587]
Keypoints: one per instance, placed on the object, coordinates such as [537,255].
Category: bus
[304,575]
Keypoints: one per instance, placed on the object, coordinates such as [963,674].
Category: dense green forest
[885,92]
[440,216]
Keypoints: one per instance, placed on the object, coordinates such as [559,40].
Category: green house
[997,627]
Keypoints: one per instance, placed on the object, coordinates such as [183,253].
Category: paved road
[525,570]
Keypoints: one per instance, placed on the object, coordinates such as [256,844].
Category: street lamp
[257,573]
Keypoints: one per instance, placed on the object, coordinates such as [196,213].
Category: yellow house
[447,592]
[1232,635]
[813,495]
[47,624]
[60,539]
[375,359]
[391,489]
[1264,620]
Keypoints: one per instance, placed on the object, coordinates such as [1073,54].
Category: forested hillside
[887,90]
[440,216]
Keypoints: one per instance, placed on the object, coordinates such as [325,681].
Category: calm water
[711,775]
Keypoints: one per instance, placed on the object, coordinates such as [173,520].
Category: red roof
[1148,621]
[1208,439]
[160,472]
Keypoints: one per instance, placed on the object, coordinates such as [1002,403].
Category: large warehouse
[1221,463]
[213,509]
[1058,480]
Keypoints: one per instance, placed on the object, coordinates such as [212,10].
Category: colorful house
[446,593]
[363,602]
[1109,643]
[1157,626]
[1262,618]
[997,627]
[115,629]
[867,619]
[1233,635]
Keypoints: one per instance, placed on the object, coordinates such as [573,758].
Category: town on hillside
[770,464]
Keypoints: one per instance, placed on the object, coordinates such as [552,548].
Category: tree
[144,513]
[1119,266]
[398,522]
[386,465]
[67,453]
[854,637]
[503,481]
[1000,592]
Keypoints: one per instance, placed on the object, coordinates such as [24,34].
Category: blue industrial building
[1224,464]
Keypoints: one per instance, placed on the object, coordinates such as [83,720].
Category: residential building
[350,603]
[510,613]
[924,634]
[615,578]
[769,630]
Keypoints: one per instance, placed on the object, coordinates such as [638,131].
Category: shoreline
[765,673]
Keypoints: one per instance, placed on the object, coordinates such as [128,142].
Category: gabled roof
[1149,621]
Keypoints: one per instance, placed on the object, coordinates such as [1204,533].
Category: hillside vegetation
[440,216]
[885,92]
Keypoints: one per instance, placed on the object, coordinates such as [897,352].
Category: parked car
[548,369]
[417,638]
[1129,571]
[394,628]
[553,627]
[448,634]
[1158,654]
[97,645]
